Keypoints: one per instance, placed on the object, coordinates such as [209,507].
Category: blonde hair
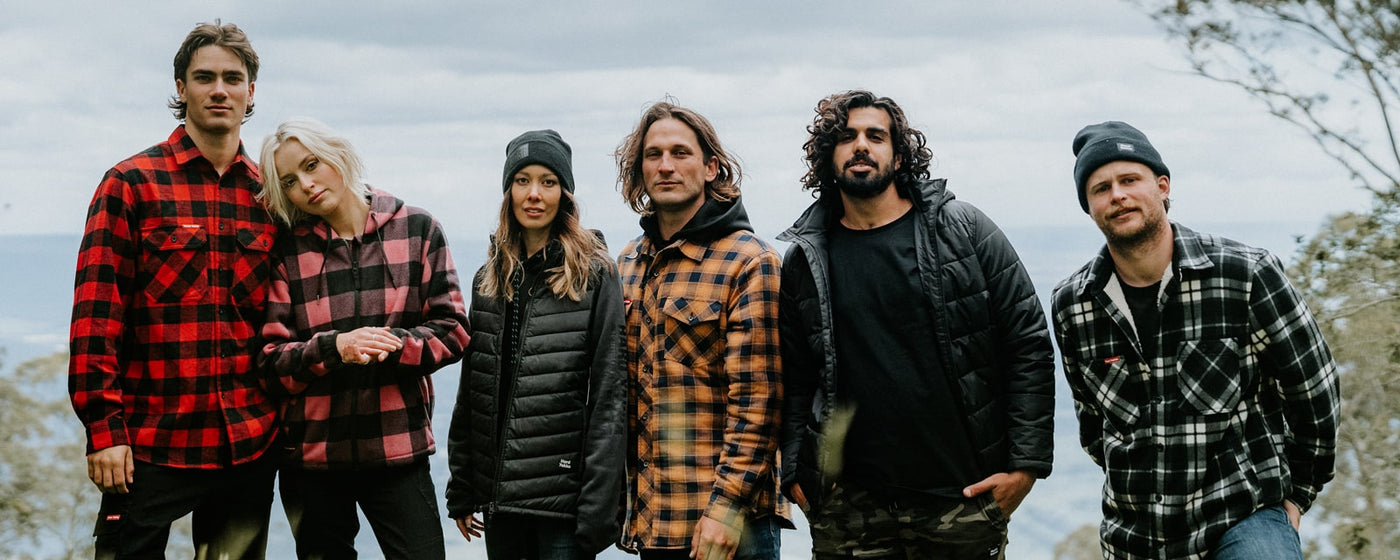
[332,149]
[582,249]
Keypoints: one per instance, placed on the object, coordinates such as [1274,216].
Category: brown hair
[582,250]
[217,34]
[724,187]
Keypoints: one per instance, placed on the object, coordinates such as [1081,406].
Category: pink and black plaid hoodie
[398,274]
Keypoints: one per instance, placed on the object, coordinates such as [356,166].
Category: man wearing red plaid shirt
[168,299]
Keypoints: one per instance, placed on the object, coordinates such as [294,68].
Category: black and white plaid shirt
[1238,410]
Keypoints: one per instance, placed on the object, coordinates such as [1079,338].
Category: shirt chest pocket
[1115,396]
[253,266]
[1212,376]
[692,329]
[174,263]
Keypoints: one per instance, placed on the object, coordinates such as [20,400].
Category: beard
[872,184]
[1129,240]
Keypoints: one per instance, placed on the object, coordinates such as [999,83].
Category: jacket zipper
[506,415]
[828,382]
[355,389]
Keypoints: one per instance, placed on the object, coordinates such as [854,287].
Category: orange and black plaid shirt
[704,392]
[167,304]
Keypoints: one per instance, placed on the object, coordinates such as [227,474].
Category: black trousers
[524,537]
[230,509]
[399,503]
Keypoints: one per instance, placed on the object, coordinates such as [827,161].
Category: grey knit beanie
[544,147]
[1099,144]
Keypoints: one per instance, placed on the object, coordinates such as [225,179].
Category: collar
[1114,290]
[184,151]
[1187,254]
[688,249]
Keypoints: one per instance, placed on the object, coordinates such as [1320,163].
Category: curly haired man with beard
[917,367]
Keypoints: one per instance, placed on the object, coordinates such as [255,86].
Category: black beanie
[544,147]
[1099,144]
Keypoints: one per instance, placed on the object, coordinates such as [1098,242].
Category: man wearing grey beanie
[1201,382]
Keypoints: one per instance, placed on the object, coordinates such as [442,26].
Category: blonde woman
[363,306]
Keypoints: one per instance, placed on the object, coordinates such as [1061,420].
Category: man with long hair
[168,300]
[917,366]
[701,292]
[1202,384]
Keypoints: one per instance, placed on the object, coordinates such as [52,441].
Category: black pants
[516,537]
[231,507]
[399,503]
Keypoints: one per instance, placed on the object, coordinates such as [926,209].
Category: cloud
[431,91]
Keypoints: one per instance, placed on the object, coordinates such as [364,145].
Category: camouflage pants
[853,524]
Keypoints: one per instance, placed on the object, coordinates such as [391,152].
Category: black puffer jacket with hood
[991,337]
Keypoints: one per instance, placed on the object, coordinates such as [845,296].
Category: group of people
[239,323]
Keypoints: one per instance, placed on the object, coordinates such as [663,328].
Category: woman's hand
[366,345]
[470,526]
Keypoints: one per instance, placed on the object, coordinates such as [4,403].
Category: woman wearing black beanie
[536,442]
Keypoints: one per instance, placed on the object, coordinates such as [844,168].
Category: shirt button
[643,465]
[644,416]
[221,227]
[1157,498]
[646,319]
[1156,400]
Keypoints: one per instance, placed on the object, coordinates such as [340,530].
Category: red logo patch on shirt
[1113,360]
[626,305]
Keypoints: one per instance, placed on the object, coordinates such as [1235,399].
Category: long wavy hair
[569,280]
[725,187]
[832,113]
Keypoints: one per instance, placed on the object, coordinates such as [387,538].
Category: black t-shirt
[907,434]
[1142,302]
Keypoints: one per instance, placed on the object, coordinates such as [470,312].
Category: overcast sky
[431,91]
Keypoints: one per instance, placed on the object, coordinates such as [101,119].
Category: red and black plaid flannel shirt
[399,274]
[167,304]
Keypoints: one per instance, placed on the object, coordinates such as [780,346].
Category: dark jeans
[230,507]
[853,523]
[760,541]
[524,537]
[399,503]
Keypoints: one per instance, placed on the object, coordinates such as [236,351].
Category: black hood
[712,221]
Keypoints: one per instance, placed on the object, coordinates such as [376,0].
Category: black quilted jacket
[562,447]
[991,335]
